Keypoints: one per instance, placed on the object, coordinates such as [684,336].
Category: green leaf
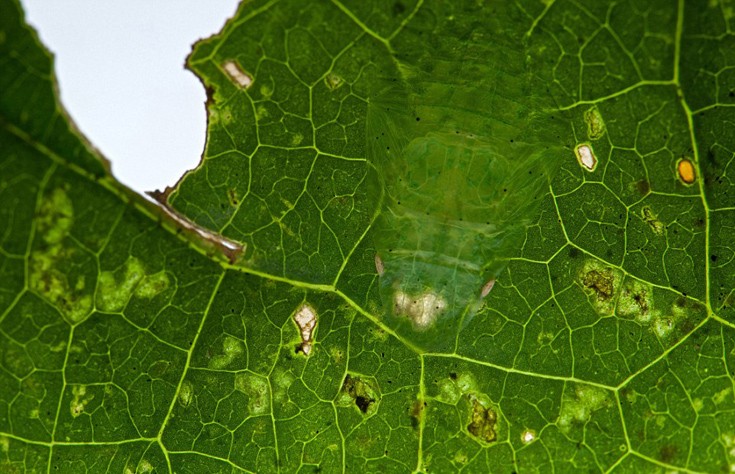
[243,328]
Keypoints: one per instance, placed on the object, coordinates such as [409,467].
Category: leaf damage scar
[231,249]
[237,74]
[305,319]
[586,157]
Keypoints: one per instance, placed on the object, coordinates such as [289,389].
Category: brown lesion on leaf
[601,283]
[417,413]
[360,392]
[483,421]
[667,453]
[233,197]
[642,186]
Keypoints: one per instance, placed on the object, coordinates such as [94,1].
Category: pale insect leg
[379,267]
[486,289]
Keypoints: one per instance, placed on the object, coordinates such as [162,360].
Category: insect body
[459,179]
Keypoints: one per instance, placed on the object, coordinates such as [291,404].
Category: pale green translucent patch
[231,348]
[336,354]
[601,283]
[578,407]
[728,439]
[544,338]
[114,289]
[449,390]
[152,285]
[186,393]
[257,390]
[466,382]
[653,222]
[282,380]
[361,392]
[261,112]
[4,444]
[226,115]
[296,139]
[266,91]
[452,388]
[333,81]
[144,466]
[49,275]
[723,396]
[461,458]
[630,395]
[663,326]
[378,335]
[79,401]
[595,124]
[636,301]
[57,217]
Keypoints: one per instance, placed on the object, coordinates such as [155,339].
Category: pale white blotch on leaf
[305,319]
[237,74]
[586,156]
[421,309]
[528,436]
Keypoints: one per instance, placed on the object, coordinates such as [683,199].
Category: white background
[120,67]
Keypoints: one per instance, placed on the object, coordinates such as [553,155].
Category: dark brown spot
[361,392]
[642,186]
[417,412]
[667,453]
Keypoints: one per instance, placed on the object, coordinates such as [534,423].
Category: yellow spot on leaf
[686,171]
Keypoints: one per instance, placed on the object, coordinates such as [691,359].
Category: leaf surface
[130,341]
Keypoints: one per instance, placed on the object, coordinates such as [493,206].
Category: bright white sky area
[120,66]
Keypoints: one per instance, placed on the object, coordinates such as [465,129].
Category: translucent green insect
[458,186]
